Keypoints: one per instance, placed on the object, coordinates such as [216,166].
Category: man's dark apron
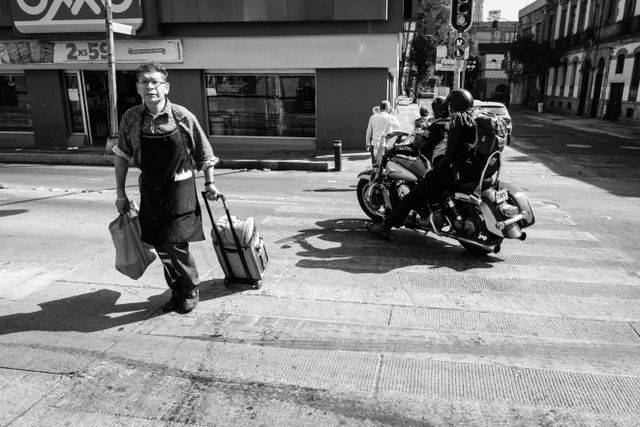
[169,209]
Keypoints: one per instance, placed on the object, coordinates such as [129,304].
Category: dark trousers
[429,188]
[180,270]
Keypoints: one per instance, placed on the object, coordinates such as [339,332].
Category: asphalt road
[347,329]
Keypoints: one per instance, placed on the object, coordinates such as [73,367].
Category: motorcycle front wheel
[371,200]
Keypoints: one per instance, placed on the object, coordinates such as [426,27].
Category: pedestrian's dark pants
[179,266]
[429,188]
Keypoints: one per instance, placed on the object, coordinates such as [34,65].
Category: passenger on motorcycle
[432,138]
[462,131]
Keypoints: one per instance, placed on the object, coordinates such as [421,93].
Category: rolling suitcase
[239,247]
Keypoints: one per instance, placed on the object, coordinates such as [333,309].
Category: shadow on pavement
[99,310]
[10,212]
[345,244]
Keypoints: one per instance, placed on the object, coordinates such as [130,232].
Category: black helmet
[459,100]
[439,107]
[424,111]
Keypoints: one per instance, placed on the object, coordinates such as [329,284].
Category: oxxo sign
[72,16]
[461,14]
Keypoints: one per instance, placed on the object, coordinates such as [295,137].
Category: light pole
[112,140]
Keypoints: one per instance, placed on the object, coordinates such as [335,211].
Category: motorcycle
[479,214]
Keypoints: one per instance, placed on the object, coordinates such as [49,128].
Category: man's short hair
[152,67]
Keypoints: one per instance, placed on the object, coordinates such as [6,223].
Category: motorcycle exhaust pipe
[488,248]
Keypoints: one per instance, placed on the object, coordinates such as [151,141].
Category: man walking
[167,143]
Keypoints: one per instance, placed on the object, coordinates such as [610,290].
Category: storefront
[277,90]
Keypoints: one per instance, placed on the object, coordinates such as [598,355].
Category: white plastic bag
[133,256]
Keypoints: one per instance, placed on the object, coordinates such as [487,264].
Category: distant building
[491,41]
[478,11]
[599,45]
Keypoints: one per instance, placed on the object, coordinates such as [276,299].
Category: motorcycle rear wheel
[371,202]
[480,233]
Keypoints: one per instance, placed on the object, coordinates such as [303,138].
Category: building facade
[598,42]
[491,41]
[265,74]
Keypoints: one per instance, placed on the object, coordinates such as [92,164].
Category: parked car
[498,109]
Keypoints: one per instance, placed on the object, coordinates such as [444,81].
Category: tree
[535,57]
[431,30]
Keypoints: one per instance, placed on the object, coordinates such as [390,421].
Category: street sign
[441,52]
[461,14]
[458,53]
[446,65]
[123,29]
[458,42]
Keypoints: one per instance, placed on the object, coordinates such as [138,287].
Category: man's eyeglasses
[154,83]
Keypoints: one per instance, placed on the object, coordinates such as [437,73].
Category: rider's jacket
[429,141]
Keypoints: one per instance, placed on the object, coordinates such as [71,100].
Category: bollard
[337,154]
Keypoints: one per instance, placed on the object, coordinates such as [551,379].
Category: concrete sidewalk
[95,156]
[623,128]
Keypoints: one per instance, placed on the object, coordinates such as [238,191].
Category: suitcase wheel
[227,282]
[257,284]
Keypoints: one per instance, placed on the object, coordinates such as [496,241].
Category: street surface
[347,329]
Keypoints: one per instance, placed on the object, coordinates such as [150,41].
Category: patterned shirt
[137,120]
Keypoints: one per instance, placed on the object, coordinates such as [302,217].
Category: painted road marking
[579,145]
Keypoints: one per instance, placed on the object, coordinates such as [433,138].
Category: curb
[79,159]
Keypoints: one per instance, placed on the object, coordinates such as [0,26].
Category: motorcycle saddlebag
[521,201]
[251,248]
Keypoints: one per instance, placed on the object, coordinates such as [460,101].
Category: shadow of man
[97,311]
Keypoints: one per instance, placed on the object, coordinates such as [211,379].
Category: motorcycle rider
[432,139]
[461,134]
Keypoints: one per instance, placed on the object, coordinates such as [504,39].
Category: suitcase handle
[245,266]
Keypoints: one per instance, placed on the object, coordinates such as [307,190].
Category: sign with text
[441,52]
[165,51]
[446,65]
[72,16]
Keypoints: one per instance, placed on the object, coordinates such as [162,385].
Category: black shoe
[190,301]
[381,229]
[174,302]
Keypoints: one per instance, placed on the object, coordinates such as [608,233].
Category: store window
[74,105]
[15,108]
[261,105]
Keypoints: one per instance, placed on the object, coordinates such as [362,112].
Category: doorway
[88,102]
[597,88]
[614,109]
[584,86]
[97,95]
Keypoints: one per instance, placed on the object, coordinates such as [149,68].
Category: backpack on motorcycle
[491,136]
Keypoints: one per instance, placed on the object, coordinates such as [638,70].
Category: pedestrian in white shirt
[380,123]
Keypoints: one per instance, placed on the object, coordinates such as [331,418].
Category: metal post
[112,140]
[337,154]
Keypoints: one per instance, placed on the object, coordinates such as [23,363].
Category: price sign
[131,51]
[93,51]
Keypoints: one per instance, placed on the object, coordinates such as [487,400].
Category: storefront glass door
[97,98]
[87,94]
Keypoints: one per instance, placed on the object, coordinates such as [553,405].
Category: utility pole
[112,140]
